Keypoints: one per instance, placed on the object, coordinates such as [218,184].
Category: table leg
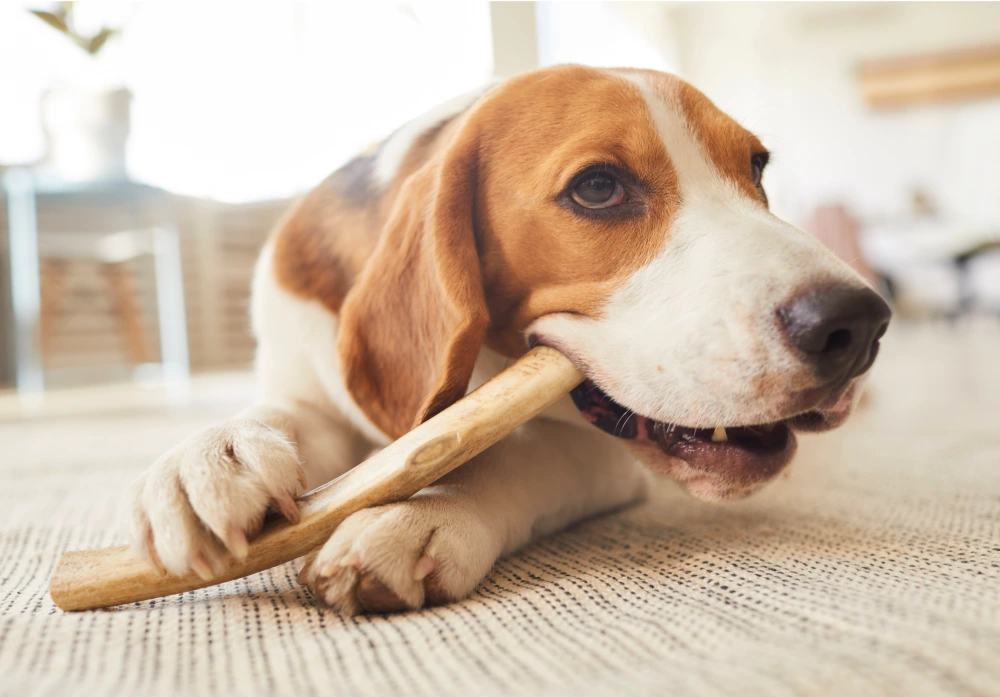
[24,280]
[170,301]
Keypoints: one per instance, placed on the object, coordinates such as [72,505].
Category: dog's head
[618,216]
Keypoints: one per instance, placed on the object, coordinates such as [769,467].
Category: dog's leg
[202,499]
[205,497]
[438,545]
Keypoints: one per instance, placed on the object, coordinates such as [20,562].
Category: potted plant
[86,116]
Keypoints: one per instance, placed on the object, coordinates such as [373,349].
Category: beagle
[616,215]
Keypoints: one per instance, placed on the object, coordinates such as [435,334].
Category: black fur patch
[355,181]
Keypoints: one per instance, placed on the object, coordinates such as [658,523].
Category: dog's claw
[329,570]
[236,542]
[303,578]
[201,567]
[423,569]
[153,557]
[286,504]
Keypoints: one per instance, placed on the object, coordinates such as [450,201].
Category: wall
[515,43]
[786,71]
[604,34]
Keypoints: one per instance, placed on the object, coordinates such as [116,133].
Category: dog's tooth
[767,428]
[719,435]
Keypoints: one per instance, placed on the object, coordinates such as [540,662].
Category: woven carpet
[872,568]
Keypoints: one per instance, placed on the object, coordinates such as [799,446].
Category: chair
[137,224]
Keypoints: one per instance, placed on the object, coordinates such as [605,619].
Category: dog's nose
[837,329]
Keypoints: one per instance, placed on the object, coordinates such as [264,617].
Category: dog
[615,215]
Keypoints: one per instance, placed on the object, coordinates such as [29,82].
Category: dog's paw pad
[375,596]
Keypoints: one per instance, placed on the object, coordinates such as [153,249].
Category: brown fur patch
[326,239]
[471,242]
[538,257]
[413,322]
[728,145]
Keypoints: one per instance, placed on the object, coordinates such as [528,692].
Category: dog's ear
[412,324]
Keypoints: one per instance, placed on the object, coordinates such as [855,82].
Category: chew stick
[115,576]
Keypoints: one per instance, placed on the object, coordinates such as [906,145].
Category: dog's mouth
[735,459]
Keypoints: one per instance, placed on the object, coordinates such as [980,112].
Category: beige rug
[873,568]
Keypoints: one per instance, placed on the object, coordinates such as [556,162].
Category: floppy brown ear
[412,324]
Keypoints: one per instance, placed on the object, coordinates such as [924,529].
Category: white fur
[297,352]
[539,479]
[185,509]
[691,336]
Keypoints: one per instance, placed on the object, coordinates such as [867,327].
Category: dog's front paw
[428,550]
[204,498]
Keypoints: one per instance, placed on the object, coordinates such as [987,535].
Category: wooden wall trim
[931,78]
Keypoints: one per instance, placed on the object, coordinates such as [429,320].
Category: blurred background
[146,149]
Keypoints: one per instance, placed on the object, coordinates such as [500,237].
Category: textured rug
[872,568]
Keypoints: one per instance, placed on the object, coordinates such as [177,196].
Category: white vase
[87,133]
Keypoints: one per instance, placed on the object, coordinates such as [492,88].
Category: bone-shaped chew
[115,576]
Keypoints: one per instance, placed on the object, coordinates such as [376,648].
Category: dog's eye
[598,189]
[757,164]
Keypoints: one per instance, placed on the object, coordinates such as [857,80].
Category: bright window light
[258,99]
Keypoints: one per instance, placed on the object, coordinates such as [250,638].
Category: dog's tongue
[735,452]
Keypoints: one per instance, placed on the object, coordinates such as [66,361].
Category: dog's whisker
[618,426]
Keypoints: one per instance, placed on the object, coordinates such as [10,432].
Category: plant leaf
[52,20]
[96,42]
[78,40]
